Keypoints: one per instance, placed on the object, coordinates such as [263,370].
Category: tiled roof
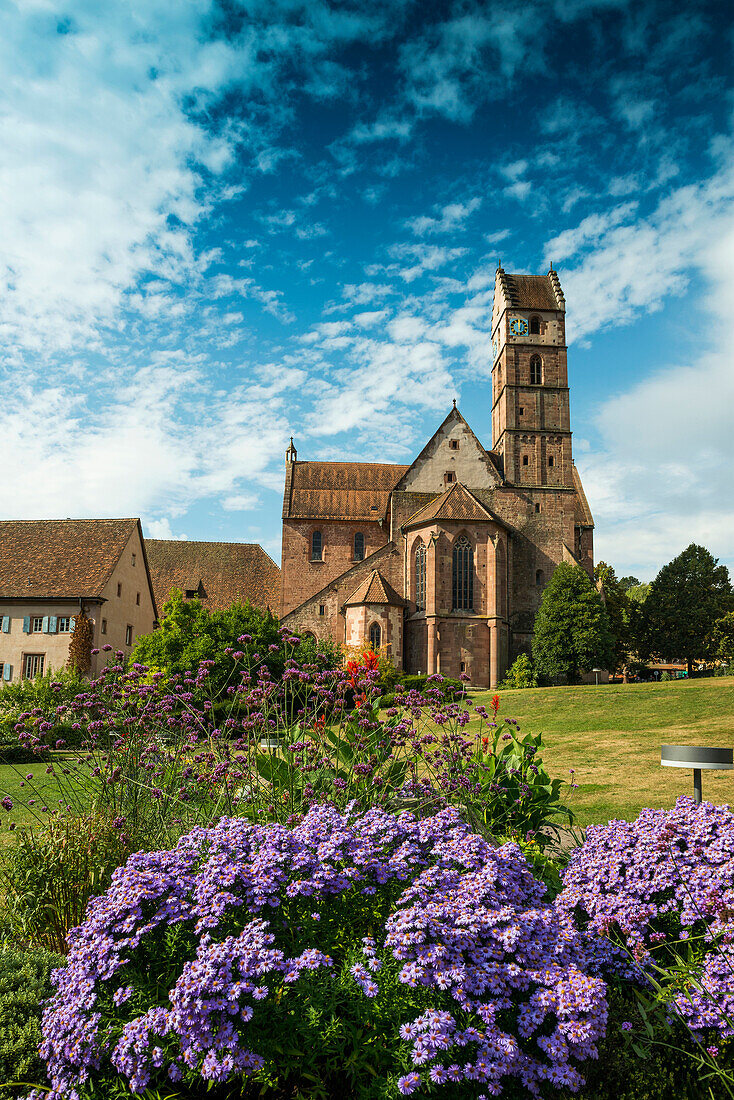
[583,512]
[375,589]
[228,571]
[341,490]
[456,504]
[530,291]
[60,558]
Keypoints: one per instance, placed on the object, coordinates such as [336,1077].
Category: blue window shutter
[72,624]
[52,624]
[27,624]
[6,624]
[44,624]
[7,672]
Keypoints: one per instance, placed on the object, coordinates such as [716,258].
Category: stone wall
[300,576]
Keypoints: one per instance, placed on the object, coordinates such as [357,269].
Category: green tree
[686,598]
[628,582]
[721,640]
[572,632]
[618,608]
[189,633]
[521,674]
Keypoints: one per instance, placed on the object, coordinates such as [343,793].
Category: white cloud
[448,220]
[161,529]
[662,477]
[109,158]
[636,267]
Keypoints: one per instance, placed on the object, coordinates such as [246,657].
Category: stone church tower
[443,563]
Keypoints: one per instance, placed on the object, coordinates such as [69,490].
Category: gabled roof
[340,490]
[60,558]
[583,513]
[375,589]
[455,504]
[222,573]
[490,460]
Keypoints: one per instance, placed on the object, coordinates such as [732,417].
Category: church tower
[530,405]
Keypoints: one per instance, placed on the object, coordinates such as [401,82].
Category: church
[441,564]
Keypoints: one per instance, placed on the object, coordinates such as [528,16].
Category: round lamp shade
[696,756]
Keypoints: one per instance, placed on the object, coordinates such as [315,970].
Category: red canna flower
[319,723]
[485,741]
[371,661]
[495,704]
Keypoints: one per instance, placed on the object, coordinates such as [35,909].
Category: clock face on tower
[518,326]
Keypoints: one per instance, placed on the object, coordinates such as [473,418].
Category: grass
[611,736]
[42,788]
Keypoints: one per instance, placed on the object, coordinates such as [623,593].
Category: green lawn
[42,790]
[611,736]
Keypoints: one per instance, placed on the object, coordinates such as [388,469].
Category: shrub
[351,955]
[521,674]
[48,875]
[662,888]
[24,985]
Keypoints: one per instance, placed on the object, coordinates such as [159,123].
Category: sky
[225,223]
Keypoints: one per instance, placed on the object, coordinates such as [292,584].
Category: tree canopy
[686,598]
[619,612]
[572,631]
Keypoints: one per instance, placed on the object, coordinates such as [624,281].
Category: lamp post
[596,672]
[700,758]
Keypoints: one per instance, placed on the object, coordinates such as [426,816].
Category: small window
[453,444]
[137,599]
[536,370]
[133,559]
[317,546]
[449,477]
[63,624]
[550,460]
[104,626]
[535,326]
[539,577]
[463,666]
[119,590]
[525,460]
[322,609]
[359,546]
[375,636]
[33,665]
[522,411]
[537,507]
[36,624]
[128,635]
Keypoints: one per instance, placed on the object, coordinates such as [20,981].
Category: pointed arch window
[536,370]
[359,546]
[317,546]
[462,575]
[420,577]
[375,636]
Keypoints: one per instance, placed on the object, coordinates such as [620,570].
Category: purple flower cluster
[664,878]
[467,930]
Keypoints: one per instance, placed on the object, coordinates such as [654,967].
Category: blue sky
[223,223]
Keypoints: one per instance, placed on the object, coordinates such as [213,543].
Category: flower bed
[370,952]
